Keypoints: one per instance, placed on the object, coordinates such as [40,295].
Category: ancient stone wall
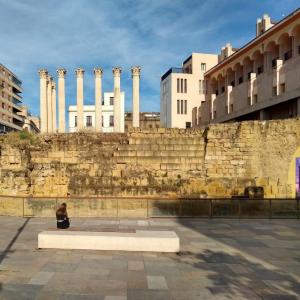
[220,160]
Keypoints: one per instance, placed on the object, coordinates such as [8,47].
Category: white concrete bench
[141,240]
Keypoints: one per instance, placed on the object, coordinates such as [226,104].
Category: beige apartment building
[261,80]
[10,100]
[182,89]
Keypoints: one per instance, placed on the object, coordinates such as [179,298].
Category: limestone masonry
[220,160]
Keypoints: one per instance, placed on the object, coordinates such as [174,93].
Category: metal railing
[151,207]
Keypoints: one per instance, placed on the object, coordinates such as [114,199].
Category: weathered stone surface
[220,160]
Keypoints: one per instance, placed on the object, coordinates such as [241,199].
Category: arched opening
[258,62]
[285,47]
[230,74]
[296,35]
[238,69]
[248,67]
[221,84]
[272,51]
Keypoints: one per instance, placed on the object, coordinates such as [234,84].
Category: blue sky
[155,34]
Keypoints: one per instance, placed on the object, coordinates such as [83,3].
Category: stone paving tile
[148,295]
[135,265]
[157,283]
[115,298]
[41,278]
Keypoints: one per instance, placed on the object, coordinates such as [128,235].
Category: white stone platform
[141,240]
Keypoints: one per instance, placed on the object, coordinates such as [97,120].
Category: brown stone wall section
[220,160]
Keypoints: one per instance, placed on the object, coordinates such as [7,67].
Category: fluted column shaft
[79,75]
[54,106]
[49,104]
[117,98]
[61,100]
[135,96]
[43,100]
[98,98]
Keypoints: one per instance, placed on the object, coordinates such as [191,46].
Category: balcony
[16,81]
[172,70]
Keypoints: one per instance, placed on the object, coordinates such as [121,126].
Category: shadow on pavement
[11,243]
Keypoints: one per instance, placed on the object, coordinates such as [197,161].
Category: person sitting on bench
[62,219]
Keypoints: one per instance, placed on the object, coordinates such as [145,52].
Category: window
[201,83]
[150,126]
[181,85]
[274,91]
[178,85]
[231,108]
[178,107]
[185,107]
[282,88]
[102,101]
[181,106]
[215,114]
[185,85]
[75,121]
[88,121]
[260,70]
[203,67]
[226,109]
[111,121]
[240,79]
[288,55]
[188,125]
[255,99]
[111,100]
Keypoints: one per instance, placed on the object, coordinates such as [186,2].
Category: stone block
[154,241]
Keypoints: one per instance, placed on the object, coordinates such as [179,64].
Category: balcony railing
[173,70]
[16,81]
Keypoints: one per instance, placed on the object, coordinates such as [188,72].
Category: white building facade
[107,114]
[183,89]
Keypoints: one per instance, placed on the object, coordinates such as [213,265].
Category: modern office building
[148,120]
[10,100]
[261,80]
[107,114]
[182,89]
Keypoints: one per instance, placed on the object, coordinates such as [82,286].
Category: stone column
[43,100]
[79,75]
[49,104]
[117,98]
[53,99]
[61,100]
[136,71]
[98,98]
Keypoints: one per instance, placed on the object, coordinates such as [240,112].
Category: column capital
[136,71]
[53,84]
[117,71]
[61,72]
[49,78]
[43,73]
[98,72]
[79,72]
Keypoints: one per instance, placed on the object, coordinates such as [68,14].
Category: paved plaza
[219,259]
